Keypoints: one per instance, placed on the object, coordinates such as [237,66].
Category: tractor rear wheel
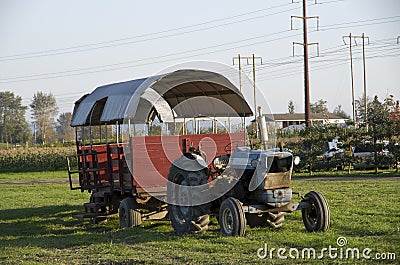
[273,220]
[317,216]
[128,215]
[186,219]
[232,219]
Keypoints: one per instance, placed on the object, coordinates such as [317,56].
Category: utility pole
[352,79]
[363,37]
[306,71]
[248,59]
[365,82]
[238,58]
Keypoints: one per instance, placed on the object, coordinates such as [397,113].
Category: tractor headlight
[216,163]
[296,160]
[221,162]
[254,163]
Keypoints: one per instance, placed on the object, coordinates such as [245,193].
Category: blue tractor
[258,194]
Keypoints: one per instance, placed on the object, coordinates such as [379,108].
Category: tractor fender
[190,162]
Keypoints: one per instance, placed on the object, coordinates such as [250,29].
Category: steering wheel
[228,148]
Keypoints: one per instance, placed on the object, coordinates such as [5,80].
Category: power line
[27,78]
[328,27]
[284,61]
[393,19]
[107,44]
[265,66]
[317,59]
[206,48]
[112,43]
[378,52]
[151,58]
[336,53]
[342,62]
[71,72]
[265,76]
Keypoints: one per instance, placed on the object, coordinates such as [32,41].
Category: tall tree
[319,106]
[291,108]
[389,103]
[360,108]
[380,120]
[393,129]
[44,110]
[338,111]
[13,125]
[64,131]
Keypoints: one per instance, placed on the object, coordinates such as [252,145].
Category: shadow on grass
[54,227]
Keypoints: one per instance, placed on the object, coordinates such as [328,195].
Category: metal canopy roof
[180,94]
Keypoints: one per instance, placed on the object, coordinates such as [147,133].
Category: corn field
[34,158]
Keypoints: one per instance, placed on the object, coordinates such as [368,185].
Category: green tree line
[379,129]
[46,126]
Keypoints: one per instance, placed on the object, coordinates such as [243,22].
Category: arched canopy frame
[165,94]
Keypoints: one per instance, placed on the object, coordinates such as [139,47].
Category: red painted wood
[153,155]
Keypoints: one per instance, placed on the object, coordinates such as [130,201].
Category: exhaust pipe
[262,126]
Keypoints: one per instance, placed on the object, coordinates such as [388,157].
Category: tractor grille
[277,180]
[281,164]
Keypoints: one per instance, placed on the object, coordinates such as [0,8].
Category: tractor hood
[245,158]
[266,165]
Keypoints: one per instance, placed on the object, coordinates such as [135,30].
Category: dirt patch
[39,181]
[344,178]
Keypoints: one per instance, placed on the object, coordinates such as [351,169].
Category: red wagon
[129,133]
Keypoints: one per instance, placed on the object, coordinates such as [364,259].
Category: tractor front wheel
[316,217]
[232,219]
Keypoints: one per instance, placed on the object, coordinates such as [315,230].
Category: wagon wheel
[128,215]
[232,219]
[186,219]
[273,220]
[316,217]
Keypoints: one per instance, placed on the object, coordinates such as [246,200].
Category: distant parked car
[332,153]
[332,158]
[364,156]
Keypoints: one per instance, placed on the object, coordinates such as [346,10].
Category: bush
[34,158]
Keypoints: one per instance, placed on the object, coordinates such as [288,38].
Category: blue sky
[70,47]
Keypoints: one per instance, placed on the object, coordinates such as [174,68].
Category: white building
[284,120]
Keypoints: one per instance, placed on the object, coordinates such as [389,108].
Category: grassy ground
[344,173]
[36,227]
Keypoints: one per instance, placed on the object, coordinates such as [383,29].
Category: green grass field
[36,227]
[32,176]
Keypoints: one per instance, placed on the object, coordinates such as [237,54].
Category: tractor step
[96,204]
[94,207]
[94,218]
[81,216]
